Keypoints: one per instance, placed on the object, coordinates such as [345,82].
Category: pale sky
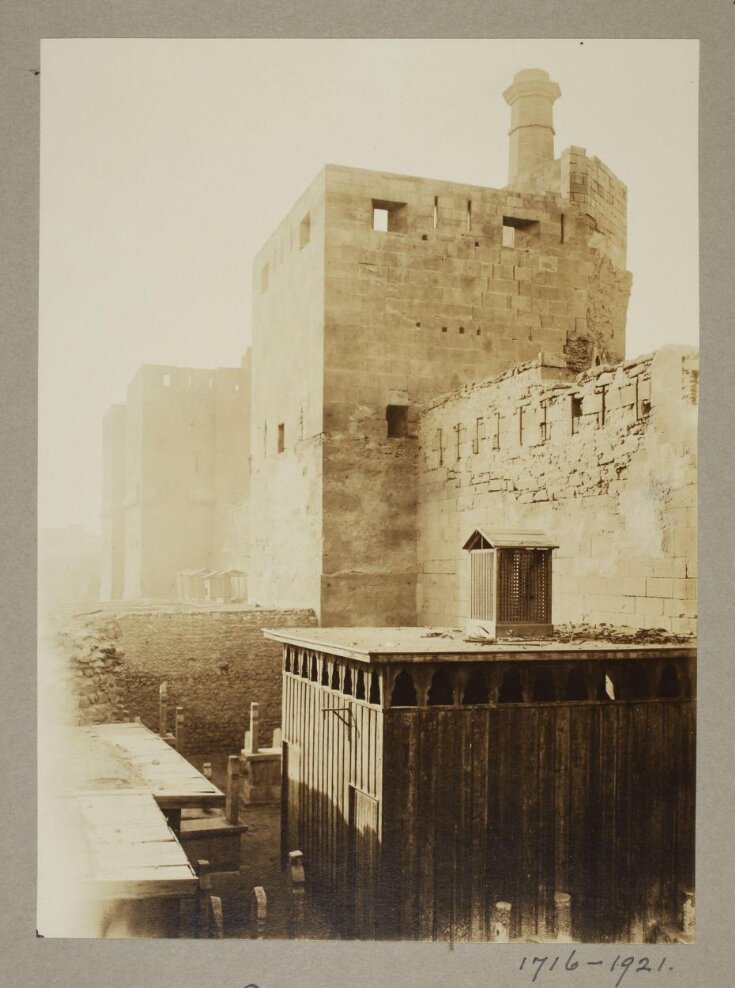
[166,163]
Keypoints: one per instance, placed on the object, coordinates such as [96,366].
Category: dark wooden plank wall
[332,756]
[514,802]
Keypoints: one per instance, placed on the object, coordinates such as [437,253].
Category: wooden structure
[427,778]
[130,790]
[136,869]
[510,583]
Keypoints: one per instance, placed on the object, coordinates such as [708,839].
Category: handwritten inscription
[619,968]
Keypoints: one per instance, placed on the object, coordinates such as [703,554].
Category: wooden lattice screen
[524,586]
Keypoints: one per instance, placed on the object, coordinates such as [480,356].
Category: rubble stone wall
[605,463]
[215,663]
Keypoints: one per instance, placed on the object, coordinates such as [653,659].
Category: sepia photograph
[368,484]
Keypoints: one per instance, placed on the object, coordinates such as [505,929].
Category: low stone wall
[215,662]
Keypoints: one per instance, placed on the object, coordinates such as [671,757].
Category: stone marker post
[254,718]
[162,709]
[232,793]
[258,910]
[180,730]
[297,881]
[687,913]
[563,916]
[203,899]
[501,922]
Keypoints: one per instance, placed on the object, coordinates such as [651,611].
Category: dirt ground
[260,864]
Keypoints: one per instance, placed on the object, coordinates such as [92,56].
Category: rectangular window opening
[436,212]
[167,380]
[397,419]
[390,217]
[469,215]
[576,412]
[519,232]
[305,231]
[281,437]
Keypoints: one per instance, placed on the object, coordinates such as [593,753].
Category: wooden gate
[363,861]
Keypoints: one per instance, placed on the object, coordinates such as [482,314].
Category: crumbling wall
[86,658]
[605,463]
[599,194]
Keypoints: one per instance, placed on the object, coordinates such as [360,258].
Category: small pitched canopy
[482,539]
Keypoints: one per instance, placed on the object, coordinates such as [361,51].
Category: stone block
[659,587]
[649,607]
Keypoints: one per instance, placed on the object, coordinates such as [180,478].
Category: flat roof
[382,645]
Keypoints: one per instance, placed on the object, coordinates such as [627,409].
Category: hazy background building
[176,477]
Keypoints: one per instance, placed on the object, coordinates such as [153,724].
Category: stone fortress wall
[604,462]
[408,288]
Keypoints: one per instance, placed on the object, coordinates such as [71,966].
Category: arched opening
[325,673]
[511,689]
[669,686]
[335,676]
[440,691]
[576,688]
[287,663]
[608,688]
[637,686]
[476,689]
[543,686]
[360,685]
[347,682]
[404,692]
[304,666]
[374,688]
[601,684]
[314,677]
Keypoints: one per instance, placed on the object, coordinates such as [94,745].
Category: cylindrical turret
[531,98]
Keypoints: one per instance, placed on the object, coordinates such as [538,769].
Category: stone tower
[377,294]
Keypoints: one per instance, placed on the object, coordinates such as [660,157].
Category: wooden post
[258,910]
[232,794]
[254,717]
[180,730]
[297,882]
[563,916]
[217,917]
[501,922]
[204,895]
[277,738]
[162,709]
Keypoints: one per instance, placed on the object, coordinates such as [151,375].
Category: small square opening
[519,232]
[389,217]
[397,419]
